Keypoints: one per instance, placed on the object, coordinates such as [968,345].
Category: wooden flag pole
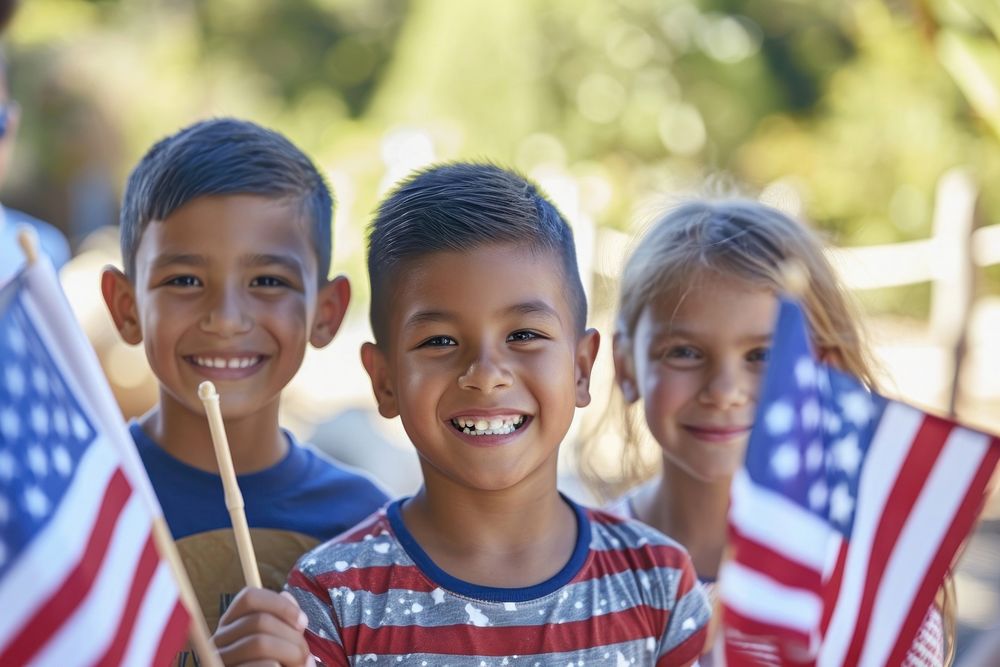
[794,278]
[28,239]
[234,499]
[201,639]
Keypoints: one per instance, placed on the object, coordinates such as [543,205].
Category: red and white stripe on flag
[847,515]
[81,582]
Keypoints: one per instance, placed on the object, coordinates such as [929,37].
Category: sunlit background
[875,120]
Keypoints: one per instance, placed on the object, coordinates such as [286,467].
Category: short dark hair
[223,156]
[461,206]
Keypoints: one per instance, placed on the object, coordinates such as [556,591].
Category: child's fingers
[262,626]
[261,637]
[258,600]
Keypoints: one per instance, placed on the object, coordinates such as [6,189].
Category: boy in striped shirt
[481,349]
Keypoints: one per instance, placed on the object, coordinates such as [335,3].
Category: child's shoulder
[368,542]
[315,464]
[614,531]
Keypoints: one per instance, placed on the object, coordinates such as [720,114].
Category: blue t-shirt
[291,507]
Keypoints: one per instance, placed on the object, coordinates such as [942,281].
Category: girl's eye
[183,281]
[267,281]
[439,341]
[759,355]
[522,337]
[682,353]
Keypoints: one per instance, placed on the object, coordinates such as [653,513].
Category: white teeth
[219,362]
[494,426]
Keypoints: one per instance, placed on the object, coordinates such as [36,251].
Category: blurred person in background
[51,241]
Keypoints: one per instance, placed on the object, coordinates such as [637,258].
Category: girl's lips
[718,434]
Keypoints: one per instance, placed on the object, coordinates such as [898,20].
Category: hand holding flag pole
[86,365]
[234,499]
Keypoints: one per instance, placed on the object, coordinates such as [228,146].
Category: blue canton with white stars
[43,431]
[813,427]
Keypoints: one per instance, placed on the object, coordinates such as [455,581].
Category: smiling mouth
[719,434]
[489,426]
[225,362]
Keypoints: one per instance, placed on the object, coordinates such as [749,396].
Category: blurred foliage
[846,112]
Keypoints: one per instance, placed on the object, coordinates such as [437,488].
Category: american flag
[847,514]
[81,581]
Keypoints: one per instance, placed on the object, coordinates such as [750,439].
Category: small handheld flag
[847,514]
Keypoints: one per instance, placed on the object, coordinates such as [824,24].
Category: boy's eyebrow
[288,261]
[186,259]
[427,317]
[536,307]
[526,308]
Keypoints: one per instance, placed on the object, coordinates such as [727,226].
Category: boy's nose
[485,373]
[226,316]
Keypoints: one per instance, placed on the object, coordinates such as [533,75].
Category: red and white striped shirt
[627,596]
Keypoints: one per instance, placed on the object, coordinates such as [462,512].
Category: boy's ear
[331,305]
[586,355]
[621,351]
[119,296]
[374,362]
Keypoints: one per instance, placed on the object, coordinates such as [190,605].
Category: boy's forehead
[214,223]
[501,275]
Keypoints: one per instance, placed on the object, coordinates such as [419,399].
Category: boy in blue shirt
[481,348]
[226,245]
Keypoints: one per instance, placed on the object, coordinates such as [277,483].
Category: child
[225,237]
[481,349]
[698,299]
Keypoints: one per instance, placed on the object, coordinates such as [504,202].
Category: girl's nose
[726,387]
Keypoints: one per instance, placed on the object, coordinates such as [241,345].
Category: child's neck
[691,511]
[506,539]
[255,441]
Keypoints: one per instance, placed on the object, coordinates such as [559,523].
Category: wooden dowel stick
[234,499]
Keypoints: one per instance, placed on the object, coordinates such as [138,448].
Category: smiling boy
[481,349]
[225,234]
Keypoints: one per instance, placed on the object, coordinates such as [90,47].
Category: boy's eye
[183,281]
[268,281]
[439,341]
[759,355]
[523,337]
